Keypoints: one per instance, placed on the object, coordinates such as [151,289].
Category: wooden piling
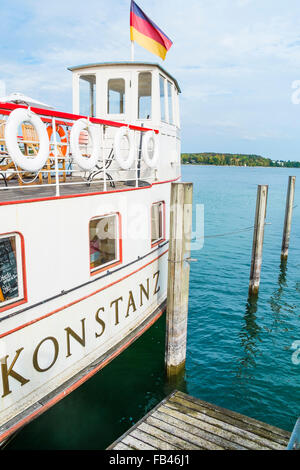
[288,217]
[178,277]
[258,238]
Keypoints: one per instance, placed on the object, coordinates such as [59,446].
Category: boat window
[144,95]
[104,246]
[157,222]
[116,96]
[87,95]
[170,102]
[162,98]
[11,282]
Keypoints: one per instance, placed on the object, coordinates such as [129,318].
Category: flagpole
[132,51]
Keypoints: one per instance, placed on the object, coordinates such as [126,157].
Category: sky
[237,63]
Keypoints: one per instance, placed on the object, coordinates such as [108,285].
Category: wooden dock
[182,422]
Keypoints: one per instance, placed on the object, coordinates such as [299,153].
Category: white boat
[84,227]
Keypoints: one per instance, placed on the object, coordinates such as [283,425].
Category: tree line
[231,159]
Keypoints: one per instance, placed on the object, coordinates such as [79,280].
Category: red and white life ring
[85,162]
[150,157]
[31,163]
[63,138]
[125,162]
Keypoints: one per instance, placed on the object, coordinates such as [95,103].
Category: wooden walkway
[182,422]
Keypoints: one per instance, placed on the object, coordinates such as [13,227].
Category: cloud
[235,60]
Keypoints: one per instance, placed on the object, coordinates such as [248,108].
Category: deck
[182,422]
[75,187]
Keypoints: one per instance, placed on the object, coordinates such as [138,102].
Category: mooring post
[178,276]
[258,238]
[288,217]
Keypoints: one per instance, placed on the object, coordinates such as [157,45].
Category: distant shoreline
[237,166]
[238,160]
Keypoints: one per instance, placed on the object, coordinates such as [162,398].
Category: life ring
[150,160]
[63,138]
[124,132]
[85,162]
[31,163]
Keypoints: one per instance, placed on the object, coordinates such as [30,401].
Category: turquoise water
[239,352]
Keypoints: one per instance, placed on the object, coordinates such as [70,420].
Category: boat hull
[49,357]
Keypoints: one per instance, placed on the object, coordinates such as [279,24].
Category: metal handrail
[116,174]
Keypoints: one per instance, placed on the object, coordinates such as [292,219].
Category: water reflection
[249,337]
[275,301]
[280,308]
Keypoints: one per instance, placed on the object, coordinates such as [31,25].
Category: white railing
[61,169]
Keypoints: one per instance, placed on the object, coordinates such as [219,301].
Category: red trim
[79,382]
[46,120]
[163,222]
[27,201]
[7,333]
[120,259]
[24,279]
[74,117]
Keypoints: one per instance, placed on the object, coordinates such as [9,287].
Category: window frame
[107,96]
[164,98]
[163,221]
[21,269]
[119,259]
[92,94]
[138,97]
[170,102]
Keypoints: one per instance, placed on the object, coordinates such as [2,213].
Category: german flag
[146,33]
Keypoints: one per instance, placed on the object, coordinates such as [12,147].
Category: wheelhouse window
[116,96]
[145,95]
[157,223]
[105,248]
[87,95]
[162,98]
[11,275]
[170,102]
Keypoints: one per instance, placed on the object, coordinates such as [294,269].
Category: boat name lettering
[41,362]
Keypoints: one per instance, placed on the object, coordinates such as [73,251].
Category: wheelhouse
[140,93]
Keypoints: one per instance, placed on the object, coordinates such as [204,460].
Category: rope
[232,233]
[20,177]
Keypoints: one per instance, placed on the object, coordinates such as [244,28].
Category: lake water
[239,352]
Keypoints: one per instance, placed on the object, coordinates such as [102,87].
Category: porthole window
[12,280]
[105,242]
[157,223]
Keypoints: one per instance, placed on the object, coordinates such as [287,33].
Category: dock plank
[183,422]
[199,429]
[136,443]
[168,438]
[152,440]
[243,421]
[222,422]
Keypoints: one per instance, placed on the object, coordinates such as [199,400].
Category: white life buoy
[150,157]
[124,132]
[85,162]
[31,163]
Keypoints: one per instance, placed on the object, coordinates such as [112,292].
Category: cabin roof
[132,64]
